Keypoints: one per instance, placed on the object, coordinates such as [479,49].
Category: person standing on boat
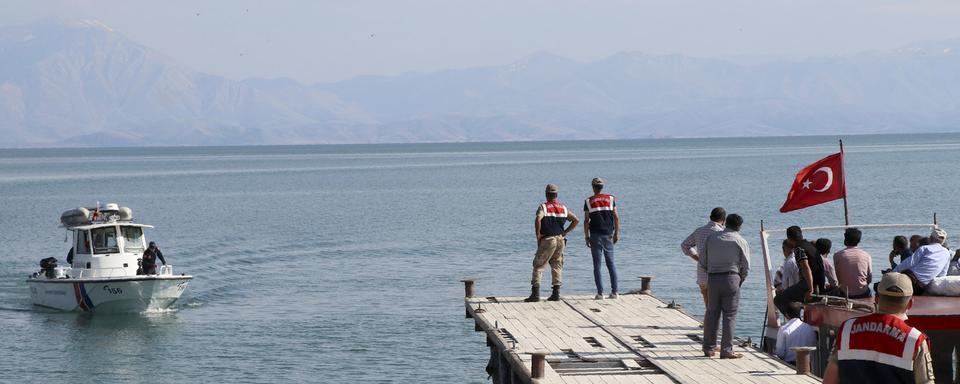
[881,347]
[149,261]
[811,272]
[692,246]
[601,227]
[726,258]
[551,240]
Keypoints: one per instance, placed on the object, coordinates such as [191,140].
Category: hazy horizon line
[839,137]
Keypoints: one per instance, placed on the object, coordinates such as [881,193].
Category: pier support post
[537,365]
[506,371]
[468,287]
[645,284]
[803,359]
[468,293]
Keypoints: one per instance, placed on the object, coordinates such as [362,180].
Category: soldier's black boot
[534,294]
[555,296]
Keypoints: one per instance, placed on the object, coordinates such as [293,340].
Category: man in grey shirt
[726,258]
[692,246]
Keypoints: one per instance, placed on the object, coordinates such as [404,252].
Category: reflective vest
[600,208]
[554,217]
[877,348]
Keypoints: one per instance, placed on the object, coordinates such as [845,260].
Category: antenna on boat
[934,218]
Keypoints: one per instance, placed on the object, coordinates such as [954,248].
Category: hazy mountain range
[80,83]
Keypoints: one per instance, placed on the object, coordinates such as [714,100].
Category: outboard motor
[48,266]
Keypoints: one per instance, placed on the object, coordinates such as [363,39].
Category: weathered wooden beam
[536,367]
[467,294]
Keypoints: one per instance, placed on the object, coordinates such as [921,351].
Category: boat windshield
[83,243]
[105,240]
[132,239]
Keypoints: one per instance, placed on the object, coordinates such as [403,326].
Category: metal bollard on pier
[803,359]
[645,285]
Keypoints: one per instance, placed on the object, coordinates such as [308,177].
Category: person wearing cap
[148,263]
[551,240]
[927,262]
[882,347]
[726,258]
[692,246]
[601,227]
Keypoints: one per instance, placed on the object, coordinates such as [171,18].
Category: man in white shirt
[795,333]
[789,272]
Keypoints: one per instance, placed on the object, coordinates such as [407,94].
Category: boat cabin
[106,241]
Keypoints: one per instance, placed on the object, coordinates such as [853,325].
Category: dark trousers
[792,296]
[723,298]
[601,248]
[149,269]
[918,287]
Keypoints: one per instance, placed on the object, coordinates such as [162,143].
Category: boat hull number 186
[114,291]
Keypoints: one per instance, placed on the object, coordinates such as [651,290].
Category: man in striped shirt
[692,246]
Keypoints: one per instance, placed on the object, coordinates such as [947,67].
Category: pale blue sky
[331,40]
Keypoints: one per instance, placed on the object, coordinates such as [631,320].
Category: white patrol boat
[105,275]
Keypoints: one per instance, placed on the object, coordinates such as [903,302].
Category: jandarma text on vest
[879,328]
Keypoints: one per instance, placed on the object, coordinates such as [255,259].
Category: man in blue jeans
[602,229]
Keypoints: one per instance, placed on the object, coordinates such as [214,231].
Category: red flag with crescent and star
[818,183]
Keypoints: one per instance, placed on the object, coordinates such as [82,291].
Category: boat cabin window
[132,239]
[105,240]
[83,243]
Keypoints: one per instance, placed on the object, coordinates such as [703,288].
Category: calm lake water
[341,263]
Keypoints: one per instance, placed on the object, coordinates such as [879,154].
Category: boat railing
[100,272]
[163,270]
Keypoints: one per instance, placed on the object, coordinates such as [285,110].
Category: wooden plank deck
[633,339]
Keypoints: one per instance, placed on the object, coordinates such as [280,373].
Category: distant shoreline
[932,134]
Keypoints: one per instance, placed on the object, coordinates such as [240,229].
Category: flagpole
[846,214]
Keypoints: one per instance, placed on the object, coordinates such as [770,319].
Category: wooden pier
[635,338]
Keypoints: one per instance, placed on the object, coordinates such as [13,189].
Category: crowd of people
[849,271]
[723,264]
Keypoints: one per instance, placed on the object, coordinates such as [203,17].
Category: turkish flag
[818,183]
